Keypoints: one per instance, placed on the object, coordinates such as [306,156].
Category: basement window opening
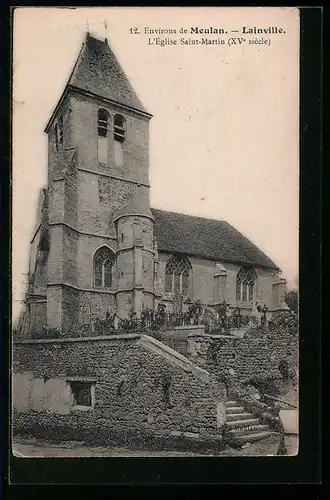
[83,394]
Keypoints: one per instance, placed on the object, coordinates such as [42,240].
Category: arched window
[246,278]
[103,266]
[102,132]
[119,132]
[177,275]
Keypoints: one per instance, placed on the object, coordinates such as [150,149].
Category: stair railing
[280,400]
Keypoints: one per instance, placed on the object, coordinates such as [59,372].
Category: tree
[291,298]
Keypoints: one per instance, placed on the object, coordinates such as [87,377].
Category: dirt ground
[31,448]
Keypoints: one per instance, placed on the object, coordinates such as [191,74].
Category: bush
[291,298]
[46,332]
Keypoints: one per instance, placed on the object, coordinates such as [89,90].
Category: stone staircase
[244,427]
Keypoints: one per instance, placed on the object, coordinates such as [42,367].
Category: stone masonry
[141,388]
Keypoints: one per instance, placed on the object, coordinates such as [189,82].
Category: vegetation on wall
[165,382]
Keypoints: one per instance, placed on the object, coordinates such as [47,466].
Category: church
[98,246]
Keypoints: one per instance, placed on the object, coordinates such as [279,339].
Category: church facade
[98,246]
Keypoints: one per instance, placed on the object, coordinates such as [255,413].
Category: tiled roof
[98,71]
[206,238]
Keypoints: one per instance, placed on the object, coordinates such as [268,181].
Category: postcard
[155,232]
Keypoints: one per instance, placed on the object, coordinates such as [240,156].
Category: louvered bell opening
[102,128]
[119,133]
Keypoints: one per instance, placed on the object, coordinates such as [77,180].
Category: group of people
[258,316]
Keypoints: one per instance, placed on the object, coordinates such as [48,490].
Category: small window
[83,393]
[60,131]
[56,137]
[58,134]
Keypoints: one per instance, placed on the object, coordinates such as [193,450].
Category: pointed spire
[98,71]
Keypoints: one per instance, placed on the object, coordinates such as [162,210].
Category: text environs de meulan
[244,30]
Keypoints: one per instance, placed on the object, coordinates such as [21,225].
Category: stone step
[239,416]
[242,423]
[240,431]
[235,409]
[255,436]
[232,403]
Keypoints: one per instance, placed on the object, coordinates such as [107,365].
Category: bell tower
[99,208]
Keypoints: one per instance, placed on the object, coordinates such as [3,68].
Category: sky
[224,137]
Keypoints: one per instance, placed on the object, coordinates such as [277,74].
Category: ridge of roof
[188,215]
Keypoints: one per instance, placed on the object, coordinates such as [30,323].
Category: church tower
[101,254]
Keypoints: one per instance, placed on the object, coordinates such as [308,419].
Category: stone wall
[84,137]
[38,315]
[71,195]
[140,388]
[94,305]
[258,354]
[70,256]
[70,308]
[177,337]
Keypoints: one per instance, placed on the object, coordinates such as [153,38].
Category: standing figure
[264,310]
[255,315]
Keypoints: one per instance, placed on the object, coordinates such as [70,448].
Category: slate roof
[206,238]
[98,71]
